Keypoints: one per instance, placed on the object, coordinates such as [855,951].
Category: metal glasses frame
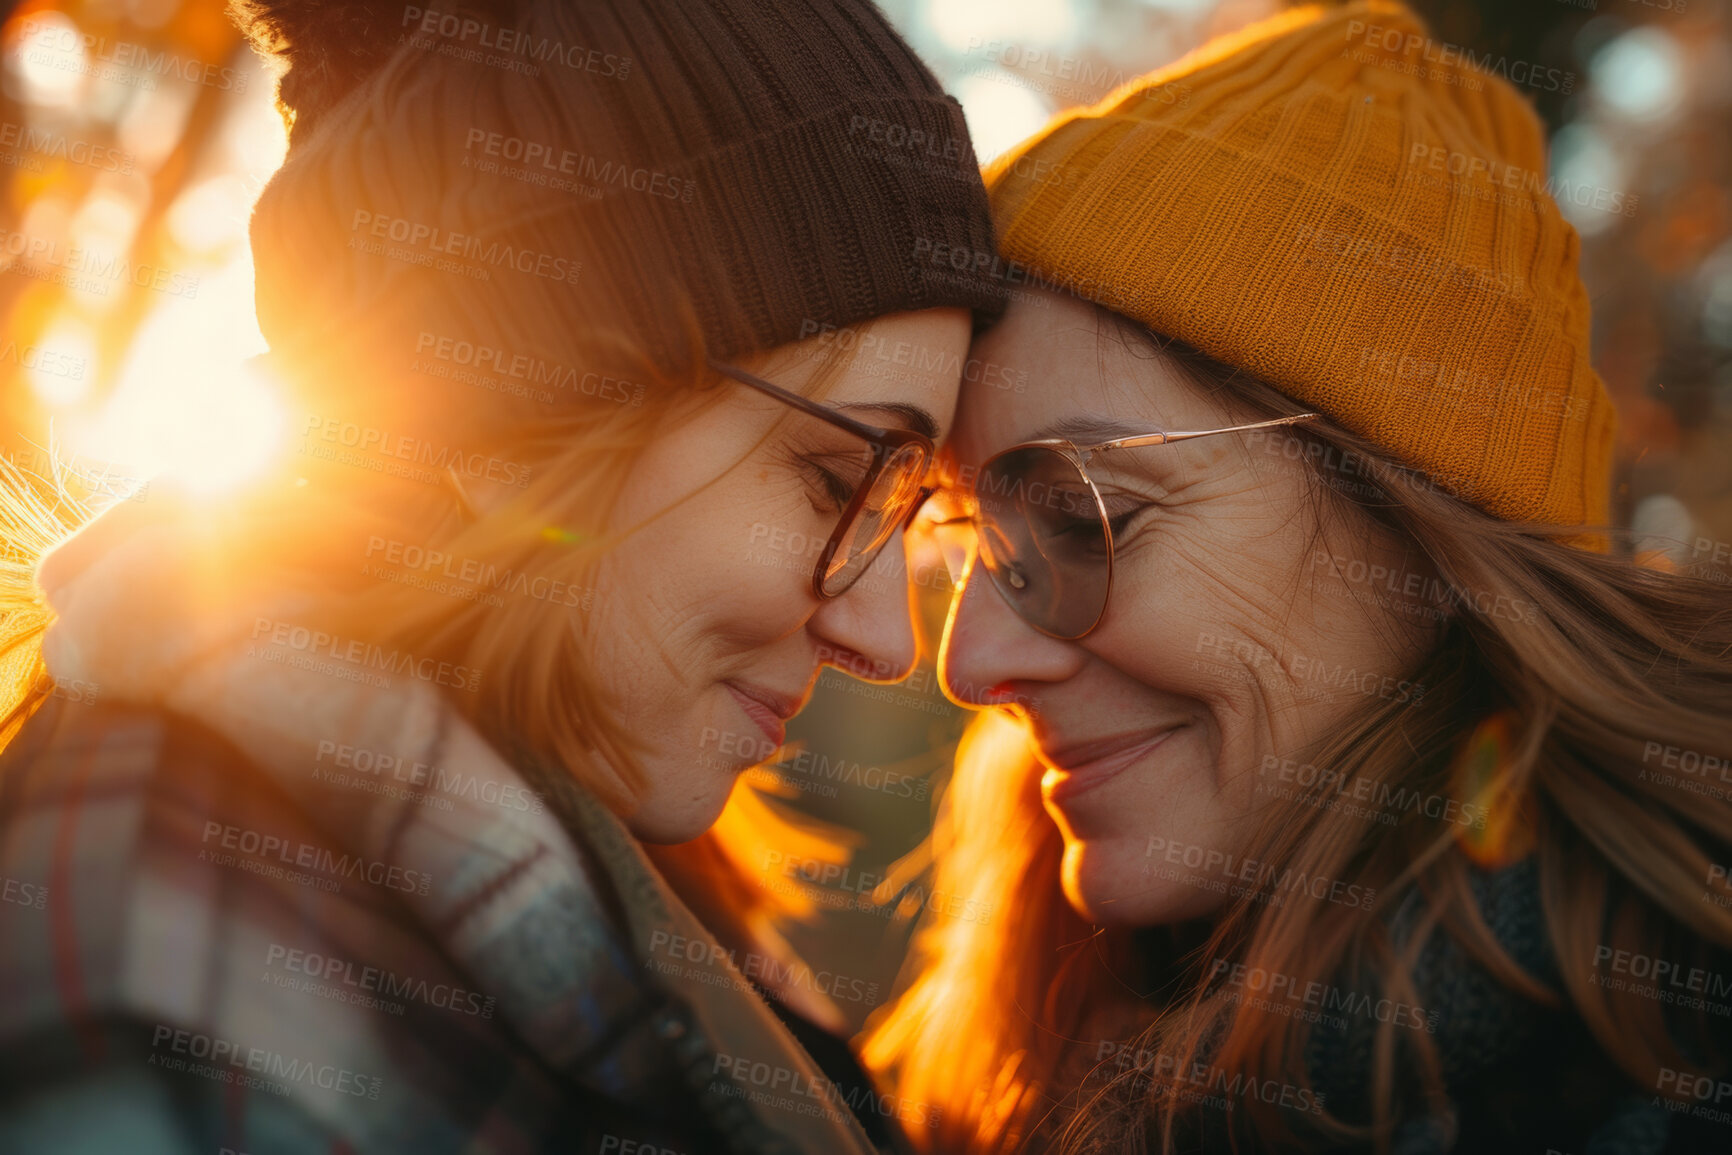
[886,443]
[1078,456]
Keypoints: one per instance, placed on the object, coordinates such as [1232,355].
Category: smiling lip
[765,707]
[1078,769]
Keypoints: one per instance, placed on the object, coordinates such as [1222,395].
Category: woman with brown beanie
[1339,768]
[581,307]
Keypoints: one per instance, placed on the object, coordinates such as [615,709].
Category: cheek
[1194,615]
[1222,620]
[758,551]
[718,573]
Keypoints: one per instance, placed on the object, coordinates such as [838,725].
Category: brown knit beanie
[777,165]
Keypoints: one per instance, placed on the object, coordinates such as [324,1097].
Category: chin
[665,827]
[680,810]
[1111,882]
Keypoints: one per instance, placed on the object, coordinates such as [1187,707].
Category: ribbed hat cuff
[865,207]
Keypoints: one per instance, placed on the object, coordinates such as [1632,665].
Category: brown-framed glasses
[1043,531]
[889,494]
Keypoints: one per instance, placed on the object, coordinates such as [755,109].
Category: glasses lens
[945,532]
[876,521]
[1043,540]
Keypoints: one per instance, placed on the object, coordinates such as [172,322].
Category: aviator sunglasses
[1043,531]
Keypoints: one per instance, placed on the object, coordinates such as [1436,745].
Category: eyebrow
[913,416]
[1090,430]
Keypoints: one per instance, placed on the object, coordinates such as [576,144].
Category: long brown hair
[1569,697]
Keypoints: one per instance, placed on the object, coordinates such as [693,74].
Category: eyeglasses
[1043,530]
[888,496]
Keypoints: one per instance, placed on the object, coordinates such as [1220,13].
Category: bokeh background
[136,134]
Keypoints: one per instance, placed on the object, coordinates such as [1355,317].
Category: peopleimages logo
[1446,56]
[1069,79]
[835,885]
[861,344]
[88,270]
[310,857]
[510,42]
[1260,880]
[808,764]
[369,439]
[329,969]
[914,141]
[470,573]
[542,162]
[1501,175]
[1294,997]
[1309,677]
[528,368]
[430,242]
[779,974]
[1359,795]
[228,1059]
[1193,1081]
[362,763]
[30,894]
[367,655]
[58,146]
[51,362]
[82,51]
[771,1085]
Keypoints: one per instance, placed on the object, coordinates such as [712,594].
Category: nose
[869,630]
[990,655]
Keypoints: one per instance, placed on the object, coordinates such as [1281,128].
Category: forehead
[907,359]
[1055,360]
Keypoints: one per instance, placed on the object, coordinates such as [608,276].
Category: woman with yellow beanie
[1352,789]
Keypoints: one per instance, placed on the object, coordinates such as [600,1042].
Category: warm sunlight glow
[61,366]
[46,54]
[188,406]
[1001,110]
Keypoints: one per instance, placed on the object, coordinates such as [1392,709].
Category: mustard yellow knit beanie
[1353,212]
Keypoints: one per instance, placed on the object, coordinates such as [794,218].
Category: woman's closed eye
[1120,515]
[831,479]
[1122,509]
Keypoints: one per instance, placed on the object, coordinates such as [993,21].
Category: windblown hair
[1617,656]
[350,333]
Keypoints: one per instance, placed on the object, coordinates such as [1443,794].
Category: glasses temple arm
[872,433]
[1163,438]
